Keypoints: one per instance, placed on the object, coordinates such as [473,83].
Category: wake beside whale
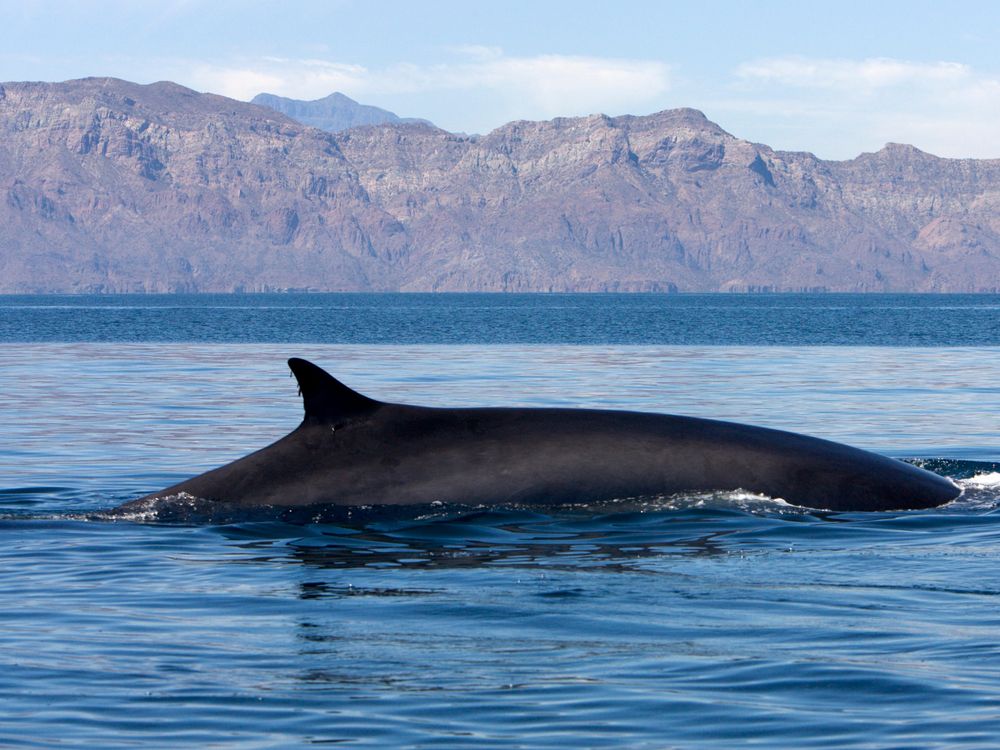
[352,451]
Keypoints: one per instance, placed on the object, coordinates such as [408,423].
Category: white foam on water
[742,499]
[150,510]
[743,496]
[979,481]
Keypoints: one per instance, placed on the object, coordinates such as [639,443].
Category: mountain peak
[903,149]
[333,113]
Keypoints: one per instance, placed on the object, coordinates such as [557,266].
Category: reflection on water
[510,542]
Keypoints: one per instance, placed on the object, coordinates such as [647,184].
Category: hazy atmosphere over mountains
[113,186]
[334,113]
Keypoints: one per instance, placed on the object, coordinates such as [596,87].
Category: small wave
[986,480]
[181,506]
[980,492]
[742,500]
[956,469]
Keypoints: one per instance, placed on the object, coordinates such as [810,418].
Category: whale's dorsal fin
[325,398]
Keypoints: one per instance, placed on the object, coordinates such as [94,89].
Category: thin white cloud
[542,86]
[840,107]
[841,74]
[238,83]
[559,85]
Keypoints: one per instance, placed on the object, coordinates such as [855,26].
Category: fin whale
[351,450]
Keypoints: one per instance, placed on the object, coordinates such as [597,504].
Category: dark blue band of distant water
[590,319]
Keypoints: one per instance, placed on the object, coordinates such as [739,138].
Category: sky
[833,78]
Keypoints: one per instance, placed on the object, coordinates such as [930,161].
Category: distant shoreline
[454,293]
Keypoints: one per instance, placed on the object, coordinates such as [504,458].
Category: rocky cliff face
[673,201]
[112,186]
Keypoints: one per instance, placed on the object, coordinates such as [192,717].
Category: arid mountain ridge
[111,186]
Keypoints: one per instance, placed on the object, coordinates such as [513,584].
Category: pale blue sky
[832,78]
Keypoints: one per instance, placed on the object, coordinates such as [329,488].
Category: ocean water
[703,621]
[584,319]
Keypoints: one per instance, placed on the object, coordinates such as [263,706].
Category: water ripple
[704,621]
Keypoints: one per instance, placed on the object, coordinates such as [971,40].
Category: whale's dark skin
[354,451]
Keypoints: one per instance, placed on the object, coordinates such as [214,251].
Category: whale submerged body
[351,450]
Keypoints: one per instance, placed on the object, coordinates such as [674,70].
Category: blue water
[587,319]
[704,621]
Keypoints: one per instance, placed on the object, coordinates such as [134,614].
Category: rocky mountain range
[332,113]
[110,186]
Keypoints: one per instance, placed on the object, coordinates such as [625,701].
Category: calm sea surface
[708,621]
